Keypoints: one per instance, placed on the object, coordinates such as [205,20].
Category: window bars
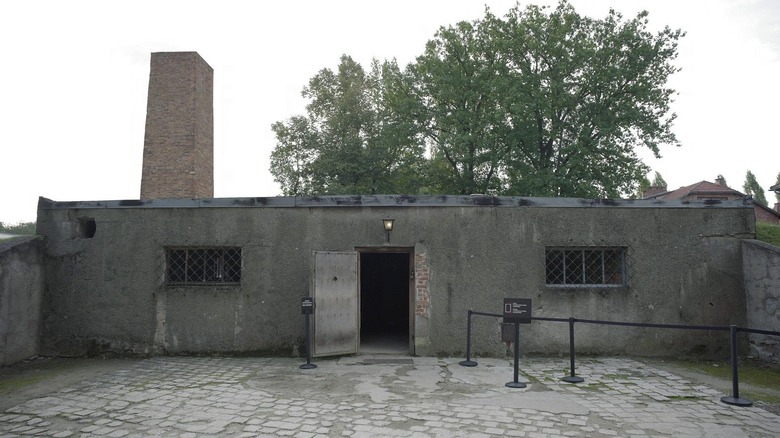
[202,266]
[586,267]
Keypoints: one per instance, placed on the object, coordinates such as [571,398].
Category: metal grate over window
[202,266]
[586,267]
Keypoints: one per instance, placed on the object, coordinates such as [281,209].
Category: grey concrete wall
[21,290]
[107,292]
[761,263]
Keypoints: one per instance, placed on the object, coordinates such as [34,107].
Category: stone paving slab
[358,397]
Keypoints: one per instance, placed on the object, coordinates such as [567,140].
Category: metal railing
[734,399]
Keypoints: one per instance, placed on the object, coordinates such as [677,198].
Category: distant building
[717,191]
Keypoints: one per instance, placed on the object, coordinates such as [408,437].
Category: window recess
[202,266]
[586,267]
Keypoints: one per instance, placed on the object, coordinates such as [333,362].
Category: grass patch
[759,375]
[750,372]
[11,384]
[616,376]
[28,373]
[762,396]
[531,379]
[597,386]
[768,233]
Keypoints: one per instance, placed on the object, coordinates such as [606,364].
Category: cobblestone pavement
[380,396]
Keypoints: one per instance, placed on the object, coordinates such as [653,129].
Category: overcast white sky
[74,78]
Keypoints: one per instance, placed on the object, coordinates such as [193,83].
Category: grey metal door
[335,293]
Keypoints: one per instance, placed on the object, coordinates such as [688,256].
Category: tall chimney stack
[178,159]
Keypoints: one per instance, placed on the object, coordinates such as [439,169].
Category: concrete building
[182,272]
[227,275]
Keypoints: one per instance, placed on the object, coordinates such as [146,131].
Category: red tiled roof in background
[701,189]
[708,190]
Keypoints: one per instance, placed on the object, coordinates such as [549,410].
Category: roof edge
[391,201]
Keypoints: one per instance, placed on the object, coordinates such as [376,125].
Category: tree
[752,187]
[23,228]
[453,99]
[644,184]
[659,181]
[349,143]
[777,192]
[537,103]
[545,104]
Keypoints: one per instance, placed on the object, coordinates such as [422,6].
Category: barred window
[202,265]
[586,267]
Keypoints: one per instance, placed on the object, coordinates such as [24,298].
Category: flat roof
[392,201]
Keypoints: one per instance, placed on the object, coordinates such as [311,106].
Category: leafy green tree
[545,104]
[349,142]
[452,96]
[22,228]
[659,181]
[644,184]
[752,187]
[537,103]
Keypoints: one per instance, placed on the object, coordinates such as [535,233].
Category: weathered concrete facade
[21,293]
[761,263]
[108,291]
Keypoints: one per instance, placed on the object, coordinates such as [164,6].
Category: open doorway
[385,302]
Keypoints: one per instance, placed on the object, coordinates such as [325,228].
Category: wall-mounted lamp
[388,224]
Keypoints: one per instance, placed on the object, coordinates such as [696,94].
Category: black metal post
[735,399]
[572,378]
[515,383]
[308,365]
[468,362]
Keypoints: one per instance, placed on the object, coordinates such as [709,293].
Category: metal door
[335,293]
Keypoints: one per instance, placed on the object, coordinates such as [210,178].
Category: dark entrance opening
[384,302]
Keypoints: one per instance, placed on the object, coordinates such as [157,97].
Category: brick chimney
[178,159]
[721,181]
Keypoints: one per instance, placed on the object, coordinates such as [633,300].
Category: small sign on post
[517,310]
[307,306]
[307,309]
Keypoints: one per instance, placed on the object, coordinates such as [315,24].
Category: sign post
[307,309]
[517,311]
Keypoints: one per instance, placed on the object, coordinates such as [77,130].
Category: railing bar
[734,399]
[637,324]
[540,318]
[651,325]
[486,314]
[762,332]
